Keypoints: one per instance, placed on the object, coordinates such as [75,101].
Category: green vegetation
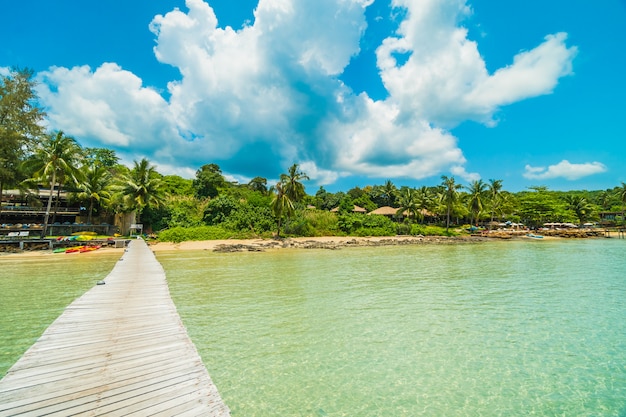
[210,207]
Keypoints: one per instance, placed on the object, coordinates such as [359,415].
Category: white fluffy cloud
[564,169]
[260,98]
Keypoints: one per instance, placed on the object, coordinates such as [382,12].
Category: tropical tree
[621,195]
[292,183]
[20,119]
[209,180]
[141,187]
[541,205]
[95,187]
[389,191]
[495,196]
[424,199]
[605,199]
[449,196]
[101,156]
[281,205]
[409,203]
[55,157]
[258,184]
[580,206]
[286,193]
[477,189]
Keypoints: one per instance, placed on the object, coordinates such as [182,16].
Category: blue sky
[357,92]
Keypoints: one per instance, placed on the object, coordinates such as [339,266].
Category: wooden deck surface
[118,350]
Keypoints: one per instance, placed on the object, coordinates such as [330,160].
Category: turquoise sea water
[494,329]
[35,290]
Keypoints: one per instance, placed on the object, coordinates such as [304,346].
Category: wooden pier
[119,350]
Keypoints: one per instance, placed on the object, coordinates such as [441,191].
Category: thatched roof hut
[385,211]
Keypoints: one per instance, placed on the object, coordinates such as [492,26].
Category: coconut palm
[476,190]
[409,203]
[495,196]
[605,199]
[96,187]
[54,161]
[580,206]
[389,192]
[424,199]
[281,204]
[449,196]
[141,187]
[292,185]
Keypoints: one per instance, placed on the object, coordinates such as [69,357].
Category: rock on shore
[338,243]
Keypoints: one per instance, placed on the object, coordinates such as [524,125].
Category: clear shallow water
[496,329]
[35,290]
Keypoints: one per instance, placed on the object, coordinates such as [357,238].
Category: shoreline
[320,242]
[325,242]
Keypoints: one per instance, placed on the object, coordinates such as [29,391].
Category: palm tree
[389,192]
[141,187]
[409,203]
[95,187]
[449,196]
[604,199]
[292,185]
[281,204]
[580,206]
[495,196]
[476,190]
[424,200]
[288,191]
[55,157]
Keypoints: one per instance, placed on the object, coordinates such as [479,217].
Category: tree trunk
[47,216]
[56,204]
[90,209]
[1,190]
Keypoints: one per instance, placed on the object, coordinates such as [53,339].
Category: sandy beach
[323,242]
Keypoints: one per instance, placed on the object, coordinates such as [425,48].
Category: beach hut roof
[385,211]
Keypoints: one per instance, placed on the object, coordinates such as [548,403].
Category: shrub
[181,234]
[367,225]
[323,223]
[420,229]
[218,209]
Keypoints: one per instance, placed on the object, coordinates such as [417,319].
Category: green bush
[373,231]
[219,208]
[420,229]
[367,225]
[182,234]
[254,220]
[322,222]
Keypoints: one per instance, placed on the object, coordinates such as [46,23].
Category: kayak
[89,248]
[75,249]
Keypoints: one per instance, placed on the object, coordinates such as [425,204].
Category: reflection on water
[35,290]
[504,328]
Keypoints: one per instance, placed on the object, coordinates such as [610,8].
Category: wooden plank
[120,349]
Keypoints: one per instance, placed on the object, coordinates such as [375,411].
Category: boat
[533,236]
[89,248]
[75,249]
